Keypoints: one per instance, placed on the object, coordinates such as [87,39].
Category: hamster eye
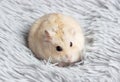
[71,44]
[58,48]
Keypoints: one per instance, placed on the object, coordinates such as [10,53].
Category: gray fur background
[100,20]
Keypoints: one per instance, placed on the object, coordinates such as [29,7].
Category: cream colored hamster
[57,37]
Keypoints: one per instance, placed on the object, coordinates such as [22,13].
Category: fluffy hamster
[57,37]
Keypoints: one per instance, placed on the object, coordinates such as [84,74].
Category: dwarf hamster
[58,37]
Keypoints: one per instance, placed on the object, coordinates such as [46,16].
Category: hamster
[58,37]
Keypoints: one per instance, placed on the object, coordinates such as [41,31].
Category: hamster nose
[69,57]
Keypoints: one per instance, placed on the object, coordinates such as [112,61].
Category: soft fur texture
[100,20]
[53,30]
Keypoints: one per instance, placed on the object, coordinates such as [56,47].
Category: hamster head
[57,37]
[60,39]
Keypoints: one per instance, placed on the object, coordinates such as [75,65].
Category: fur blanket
[100,20]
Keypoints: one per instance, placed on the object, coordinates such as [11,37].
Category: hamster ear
[48,36]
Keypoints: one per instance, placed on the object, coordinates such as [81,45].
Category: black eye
[58,48]
[71,44]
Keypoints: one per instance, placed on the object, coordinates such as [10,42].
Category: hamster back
[58,37]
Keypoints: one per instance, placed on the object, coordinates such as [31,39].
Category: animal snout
[72,58]
[69,58]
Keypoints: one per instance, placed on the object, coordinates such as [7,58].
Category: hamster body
[57,37]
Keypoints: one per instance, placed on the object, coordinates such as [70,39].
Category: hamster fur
[58,37]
